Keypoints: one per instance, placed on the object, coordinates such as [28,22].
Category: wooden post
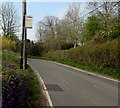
[24,35]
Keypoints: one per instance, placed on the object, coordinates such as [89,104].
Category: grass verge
[103,71]
[20,88]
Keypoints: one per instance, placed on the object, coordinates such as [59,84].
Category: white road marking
[84,71]
[44,87]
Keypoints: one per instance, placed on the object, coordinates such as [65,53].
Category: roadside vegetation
[103,58]
[89,42]
[99,58]
[20,88]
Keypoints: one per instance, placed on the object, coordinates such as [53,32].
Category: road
[70,87]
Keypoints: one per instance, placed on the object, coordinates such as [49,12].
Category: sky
[39,10]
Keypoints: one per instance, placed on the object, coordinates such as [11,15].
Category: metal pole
[22,63]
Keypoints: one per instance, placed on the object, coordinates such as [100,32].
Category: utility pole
[23,62]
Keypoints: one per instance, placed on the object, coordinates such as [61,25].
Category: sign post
[27,23]
[23,33]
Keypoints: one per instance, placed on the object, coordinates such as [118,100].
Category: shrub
[8,44]
[14,88]
[105,55]
[36,49]
[67,46]
[20,88]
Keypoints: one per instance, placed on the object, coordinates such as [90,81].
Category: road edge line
[84,71]
[46,93]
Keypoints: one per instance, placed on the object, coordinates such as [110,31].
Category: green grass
[103,71]
[34,96]
[35,99]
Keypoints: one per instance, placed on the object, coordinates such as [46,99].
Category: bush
[8,44]
[14,88]
[100,56]
[20,88]
[36,50]
[67,46]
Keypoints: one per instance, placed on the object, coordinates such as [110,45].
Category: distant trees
[47,32]
[74,30]
[47,28]
[57,33]
[92,27]
[108,16]
[34,48]
[72,17]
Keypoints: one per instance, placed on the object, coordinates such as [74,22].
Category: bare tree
[51,22]
[48,33]
[47,28]
[72,17]
[8,19]
[40,31]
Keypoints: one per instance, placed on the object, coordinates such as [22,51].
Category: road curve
[70,87]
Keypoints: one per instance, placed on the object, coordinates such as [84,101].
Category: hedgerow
[101,56]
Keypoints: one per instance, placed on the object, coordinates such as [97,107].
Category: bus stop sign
[28,21]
